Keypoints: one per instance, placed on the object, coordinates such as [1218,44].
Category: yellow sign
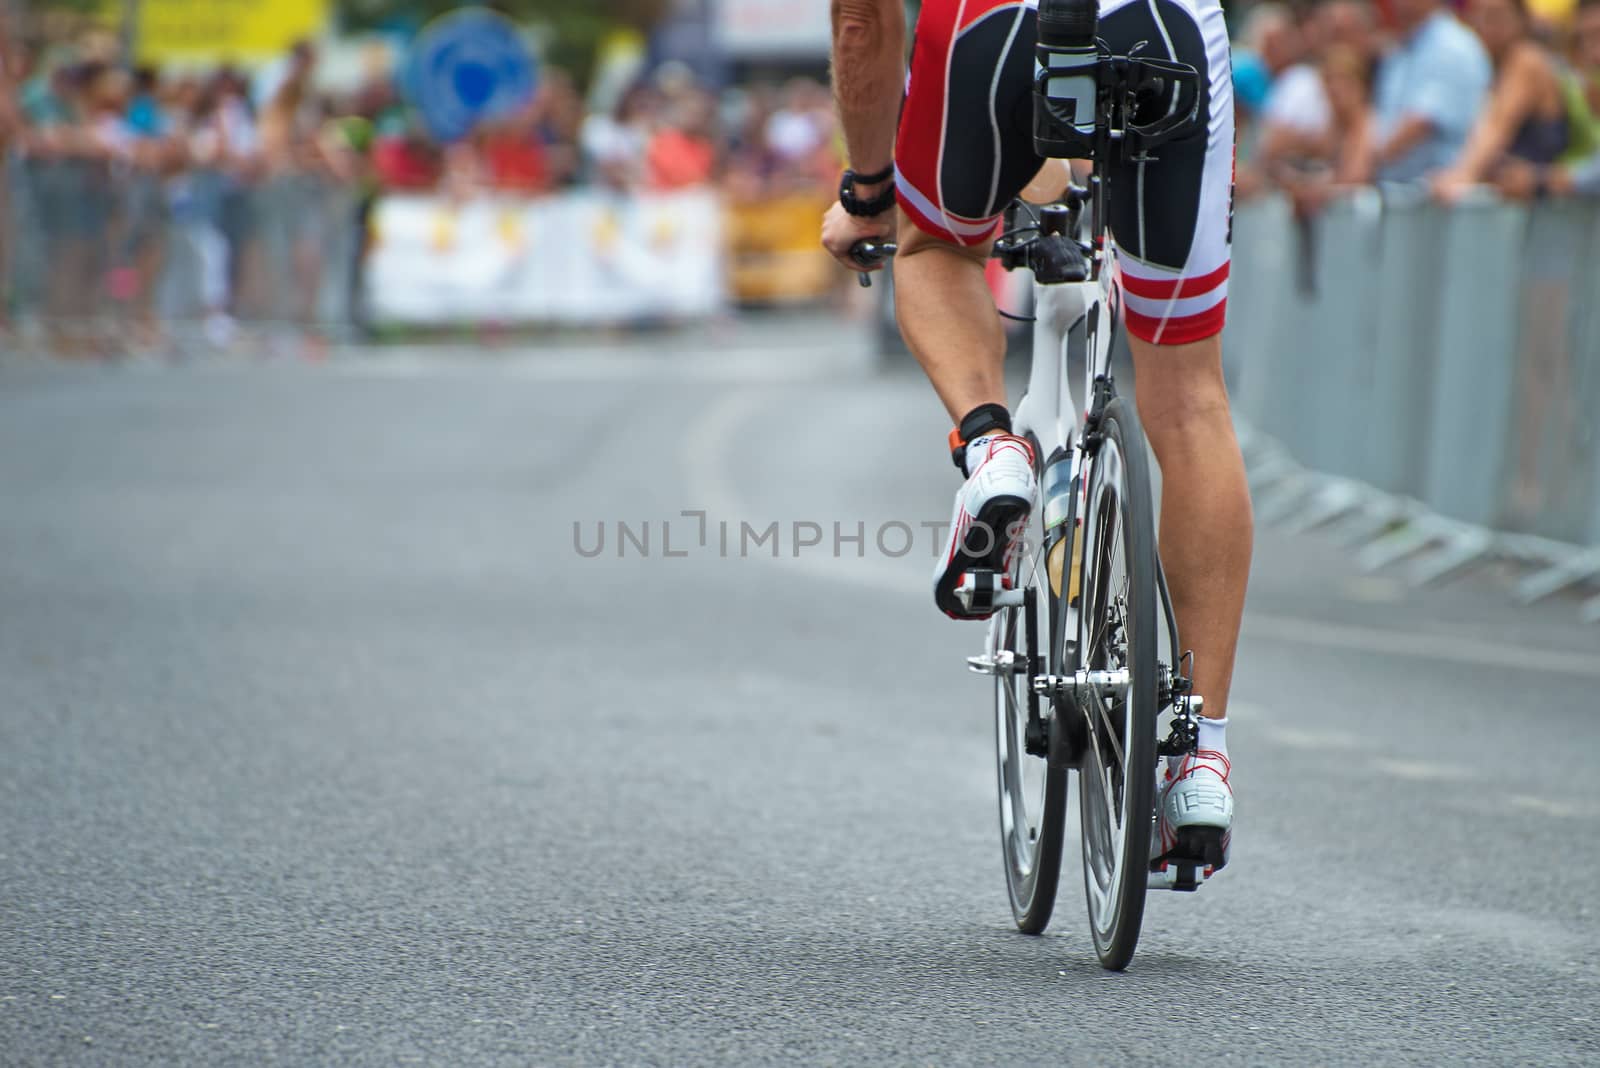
[1555,12]
[215,31]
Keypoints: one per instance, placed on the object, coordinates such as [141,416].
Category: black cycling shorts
[965,150]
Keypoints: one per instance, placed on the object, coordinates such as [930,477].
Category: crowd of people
[664,132]
[103,163]
[1332,97]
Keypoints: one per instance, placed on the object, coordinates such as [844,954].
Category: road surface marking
[714,437]
[605,365]
[1545,807]
[1421,770]
[1389,642]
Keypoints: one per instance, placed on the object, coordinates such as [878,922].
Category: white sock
[978,451]
[1213,736]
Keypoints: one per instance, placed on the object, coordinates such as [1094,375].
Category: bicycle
[1095,703]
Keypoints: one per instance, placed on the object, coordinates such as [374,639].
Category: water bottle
[1060,490]
[1065,106]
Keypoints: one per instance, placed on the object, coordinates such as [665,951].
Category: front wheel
[1117,644]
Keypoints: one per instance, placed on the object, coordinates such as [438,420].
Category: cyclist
[935,159]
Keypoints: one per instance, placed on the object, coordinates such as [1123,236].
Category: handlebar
[869,255]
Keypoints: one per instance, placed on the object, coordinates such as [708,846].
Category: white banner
[799,29]
[586,257]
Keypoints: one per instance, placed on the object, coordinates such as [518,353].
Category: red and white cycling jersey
[965,150]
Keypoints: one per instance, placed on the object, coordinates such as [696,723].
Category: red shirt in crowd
[676,159]
[402,163]
[516,163]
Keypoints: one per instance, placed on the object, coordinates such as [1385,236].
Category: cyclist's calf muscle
[1206,524]
[947,316]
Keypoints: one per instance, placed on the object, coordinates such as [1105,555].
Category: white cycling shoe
[1196,813]
[991,516]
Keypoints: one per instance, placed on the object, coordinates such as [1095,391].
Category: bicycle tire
[1031,840]
[1118,630]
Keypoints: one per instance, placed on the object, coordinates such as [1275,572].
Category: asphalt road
[322,743]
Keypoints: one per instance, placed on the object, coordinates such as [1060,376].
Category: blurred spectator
[464,173]
[289,116]
[1251,81]
[233,123]
[1429,90]
[752,164]
[1333,49]
[683,151]
[514,152]
[801,127]
[1583,88]
[1295,110]
[46,108]
[1579,172]
[1346,24]
[1526,117]
[148,198]
[1335,159]
[136,265]
[144,116]
[615,144]
[1283,110]
[403,157]
[559,109]
[13,66]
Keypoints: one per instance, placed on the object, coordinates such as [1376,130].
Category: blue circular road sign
[465,67]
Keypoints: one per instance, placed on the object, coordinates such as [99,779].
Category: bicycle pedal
[981,592]
[1185,875]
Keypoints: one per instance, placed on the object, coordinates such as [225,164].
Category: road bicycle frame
[1074,322]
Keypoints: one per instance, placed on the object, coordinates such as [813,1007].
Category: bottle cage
[1128,89]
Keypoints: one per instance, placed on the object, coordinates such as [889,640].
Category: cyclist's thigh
[1171,217]
[965,146]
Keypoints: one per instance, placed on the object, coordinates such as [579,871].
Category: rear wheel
[1117,643]
[1033,796]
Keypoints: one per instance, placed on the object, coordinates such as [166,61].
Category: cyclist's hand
[841,230]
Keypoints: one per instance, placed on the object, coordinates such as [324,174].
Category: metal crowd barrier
[1427,377]
[98,259]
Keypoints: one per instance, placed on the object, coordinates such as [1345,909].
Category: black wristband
[872,179]
[866,208]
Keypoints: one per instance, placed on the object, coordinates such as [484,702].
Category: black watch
[866,208]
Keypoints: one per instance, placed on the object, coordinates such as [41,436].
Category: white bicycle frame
[1072,321]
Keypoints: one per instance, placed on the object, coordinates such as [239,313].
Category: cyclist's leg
[1205,502]
[963,152]
[1171,220]
[947,316]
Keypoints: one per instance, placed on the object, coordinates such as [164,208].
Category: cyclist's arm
[869,76]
